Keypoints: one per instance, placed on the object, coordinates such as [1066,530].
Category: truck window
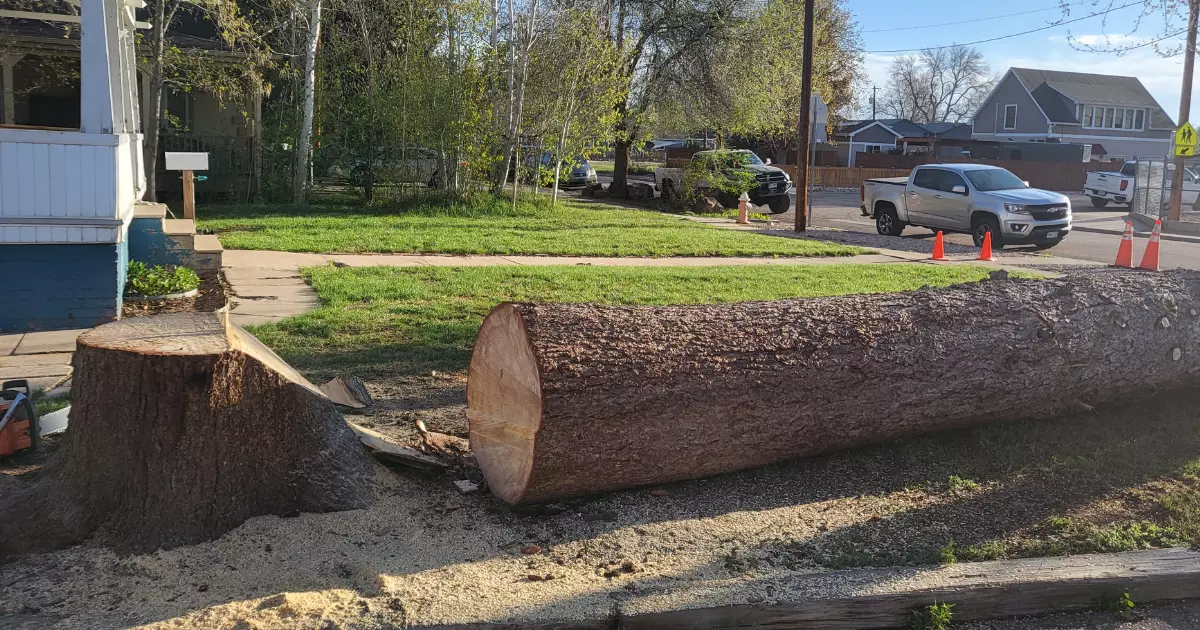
[1129,169]
[926,178]
[949,180]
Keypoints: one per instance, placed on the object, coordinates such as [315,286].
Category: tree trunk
[617,188]
[152,118]
[304,145]
[181,428]
[572,399]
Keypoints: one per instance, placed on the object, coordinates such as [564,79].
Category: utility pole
[874,90]
[1185,107]
[802,141]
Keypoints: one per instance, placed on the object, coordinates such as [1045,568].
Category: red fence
[1065,176]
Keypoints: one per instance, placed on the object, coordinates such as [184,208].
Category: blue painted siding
[148,243]
[47,287]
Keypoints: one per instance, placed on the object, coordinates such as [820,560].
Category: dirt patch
[425,553]
[214,294]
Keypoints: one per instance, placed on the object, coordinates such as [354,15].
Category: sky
[1056,48]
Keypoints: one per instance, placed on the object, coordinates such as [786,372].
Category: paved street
[841,210]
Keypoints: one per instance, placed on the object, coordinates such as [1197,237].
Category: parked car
[774,186]
[1118,187]
[576,171]
[968,198]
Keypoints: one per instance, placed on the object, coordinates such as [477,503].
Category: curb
[1165,236]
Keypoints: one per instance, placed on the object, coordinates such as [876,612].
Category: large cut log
[570,399]
[182,427]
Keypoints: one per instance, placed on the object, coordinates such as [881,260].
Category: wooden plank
[387,450]
[41,180]
[72,195]
[25,191]
[9,204]
[982,590]
[58,176]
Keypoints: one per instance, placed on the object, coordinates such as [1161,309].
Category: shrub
[717,172]
[932,617]
[141,279]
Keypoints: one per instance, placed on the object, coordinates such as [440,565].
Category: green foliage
[946,553]
[960,485]
[717,173]
[1120,605]
[141,279]
[936,616]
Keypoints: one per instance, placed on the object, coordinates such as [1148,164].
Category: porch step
[206,244]
[178,227]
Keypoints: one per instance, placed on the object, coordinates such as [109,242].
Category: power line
[984,19]
[995,39]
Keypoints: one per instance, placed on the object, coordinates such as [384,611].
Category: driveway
[840,210]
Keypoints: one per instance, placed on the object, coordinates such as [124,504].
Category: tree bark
[181,428]
[571,399]
[304,144]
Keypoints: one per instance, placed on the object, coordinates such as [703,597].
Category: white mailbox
[179,161]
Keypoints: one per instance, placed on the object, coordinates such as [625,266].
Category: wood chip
[466,486]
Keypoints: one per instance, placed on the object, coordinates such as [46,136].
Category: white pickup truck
[1117,187]
[970,198]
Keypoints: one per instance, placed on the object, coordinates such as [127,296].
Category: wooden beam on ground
[389,451]
[978,590]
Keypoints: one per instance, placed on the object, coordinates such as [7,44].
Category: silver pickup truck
[968,198]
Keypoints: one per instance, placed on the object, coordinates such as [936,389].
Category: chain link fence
[1152,188]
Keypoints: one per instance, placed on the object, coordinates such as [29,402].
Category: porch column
[100,54]
[10,91]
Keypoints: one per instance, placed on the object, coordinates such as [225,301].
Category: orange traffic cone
[1125,251]
[1150,258]
[939,249]
[986,252]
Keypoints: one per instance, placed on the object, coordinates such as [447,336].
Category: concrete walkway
[44,358]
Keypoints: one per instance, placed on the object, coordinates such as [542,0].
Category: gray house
[1116,115]
[892,135]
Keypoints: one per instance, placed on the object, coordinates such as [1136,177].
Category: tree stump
[571,399]
[182,427]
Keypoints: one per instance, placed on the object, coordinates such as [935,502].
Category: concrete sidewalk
[1116,225]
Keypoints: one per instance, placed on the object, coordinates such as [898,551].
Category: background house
[1117,113]
[39,80]
[894,135]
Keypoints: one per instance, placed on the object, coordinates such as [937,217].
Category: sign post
[188,163]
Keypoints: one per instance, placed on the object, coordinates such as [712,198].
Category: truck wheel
[780,204]
[1099,202]
[982,226]
[888,223]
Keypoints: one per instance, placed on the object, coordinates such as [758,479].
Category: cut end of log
[504,402]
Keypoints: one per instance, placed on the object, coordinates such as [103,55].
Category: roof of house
[38,34]
[1058,92]
[908,128]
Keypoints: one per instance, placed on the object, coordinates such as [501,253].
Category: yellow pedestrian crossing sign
[1185,140]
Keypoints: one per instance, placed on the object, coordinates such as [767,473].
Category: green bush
[720,171]
[141,279]
[932,617]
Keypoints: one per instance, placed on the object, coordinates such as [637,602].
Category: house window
[1010,116]
[1095,117]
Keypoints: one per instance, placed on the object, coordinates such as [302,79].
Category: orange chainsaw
[18,420]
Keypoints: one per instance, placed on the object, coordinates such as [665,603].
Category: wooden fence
[1062,176]
[844,177]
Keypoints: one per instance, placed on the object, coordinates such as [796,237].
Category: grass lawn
[485,225]
[402,321]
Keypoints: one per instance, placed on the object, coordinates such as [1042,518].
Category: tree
[304,145]
[730,94]
[196,69]
[938,85]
